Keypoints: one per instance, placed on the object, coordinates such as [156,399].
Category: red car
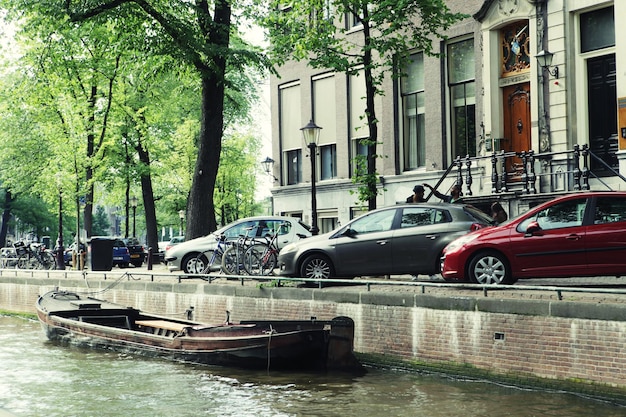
[582,234]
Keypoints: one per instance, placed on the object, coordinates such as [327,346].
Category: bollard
[150,258]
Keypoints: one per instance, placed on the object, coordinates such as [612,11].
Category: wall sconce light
[544,58]
[268,167]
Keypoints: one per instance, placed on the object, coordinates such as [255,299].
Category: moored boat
[78,319]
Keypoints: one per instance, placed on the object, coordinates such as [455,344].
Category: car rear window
[478,215]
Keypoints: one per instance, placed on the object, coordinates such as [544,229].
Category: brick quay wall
[523,339]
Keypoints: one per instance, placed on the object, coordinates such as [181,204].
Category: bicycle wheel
[260,259]
[209,261]
[47,261]
[24,262]
[232,261]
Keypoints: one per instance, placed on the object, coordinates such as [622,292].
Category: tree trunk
[370,93]
[91,138]
[200,205]
[6,216]
[147,195]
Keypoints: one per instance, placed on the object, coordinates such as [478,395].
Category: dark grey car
[403,239]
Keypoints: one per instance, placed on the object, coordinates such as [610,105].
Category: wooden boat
[77,319]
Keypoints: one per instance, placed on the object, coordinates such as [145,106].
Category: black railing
[523,178]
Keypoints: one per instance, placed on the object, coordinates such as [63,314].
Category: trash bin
[101,253]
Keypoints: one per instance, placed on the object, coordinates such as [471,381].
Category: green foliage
[90,91]
[101,222]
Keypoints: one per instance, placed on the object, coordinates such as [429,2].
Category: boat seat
[162,327]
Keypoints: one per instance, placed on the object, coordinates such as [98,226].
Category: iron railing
[525,183]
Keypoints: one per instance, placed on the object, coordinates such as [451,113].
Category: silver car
[403,239]
[183,255]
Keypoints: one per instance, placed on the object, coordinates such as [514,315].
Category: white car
[183,256]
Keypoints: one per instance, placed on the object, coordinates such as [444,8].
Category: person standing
[498,214]
[454,197]
[417,196]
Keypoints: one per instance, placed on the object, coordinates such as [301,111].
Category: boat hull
[70,318]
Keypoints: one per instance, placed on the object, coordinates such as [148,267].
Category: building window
[597,29]
[325,116]
[462,90]
[328,155]
[359,128]
[359,150]
[413,131]
[293,164]
[290,134]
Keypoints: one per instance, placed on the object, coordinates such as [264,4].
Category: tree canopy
[108,108]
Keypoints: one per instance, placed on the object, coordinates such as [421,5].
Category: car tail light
[476,226]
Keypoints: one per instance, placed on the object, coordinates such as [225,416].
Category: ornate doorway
[516,100]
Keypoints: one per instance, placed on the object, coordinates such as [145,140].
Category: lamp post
[60,250]
[311,135]
[181,214]
[133,204]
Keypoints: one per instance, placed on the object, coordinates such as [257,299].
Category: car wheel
[490,268]
[137,264]
[316,267]
[189,263]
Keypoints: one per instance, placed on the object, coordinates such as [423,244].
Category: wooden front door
[516,124]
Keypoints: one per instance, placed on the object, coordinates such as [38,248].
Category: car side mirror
[349,232]
[533,227]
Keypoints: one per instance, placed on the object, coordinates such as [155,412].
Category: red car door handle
[573,237]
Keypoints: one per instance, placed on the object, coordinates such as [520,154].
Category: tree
[200,37]
[101,223]
[317,31]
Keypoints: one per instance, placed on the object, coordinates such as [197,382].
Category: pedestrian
[453,197]
[498,214]
[417,196]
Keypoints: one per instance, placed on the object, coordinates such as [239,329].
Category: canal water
[40,378]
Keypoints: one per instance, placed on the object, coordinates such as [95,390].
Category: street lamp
[268,167]
[133,204]
[59,246]
[311,136]
[544,59]
[181,214]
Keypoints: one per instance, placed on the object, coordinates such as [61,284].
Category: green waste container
[101,251]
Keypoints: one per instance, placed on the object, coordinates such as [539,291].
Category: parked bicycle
[261,258]
[211,260]
[33,256]
[233,260]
